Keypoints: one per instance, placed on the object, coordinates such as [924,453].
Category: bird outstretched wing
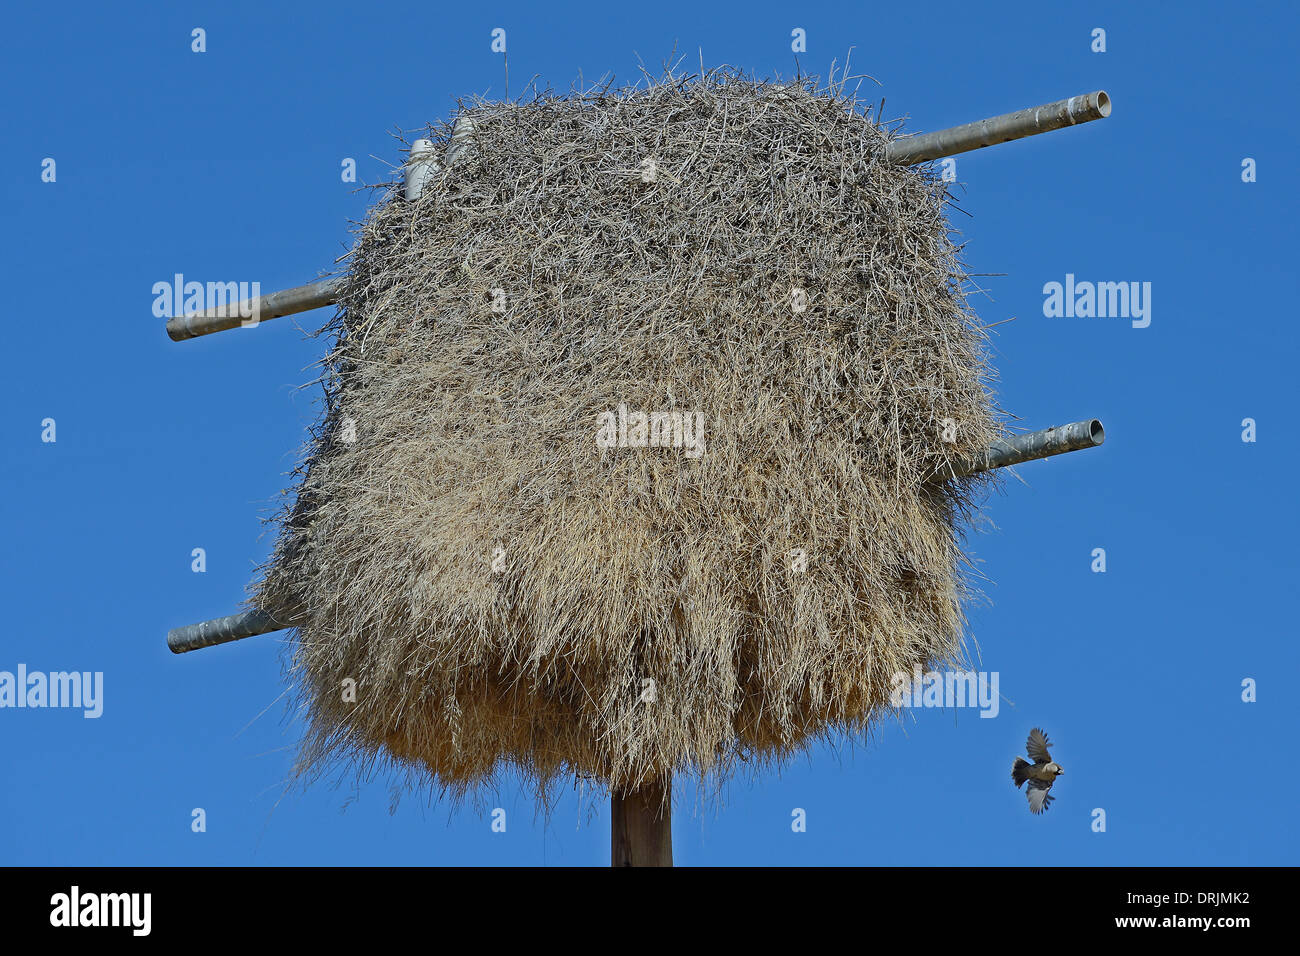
[1039,798]
[1037,746]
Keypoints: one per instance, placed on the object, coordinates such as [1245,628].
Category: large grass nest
[480,581]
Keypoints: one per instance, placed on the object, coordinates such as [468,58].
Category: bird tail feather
[1020,771]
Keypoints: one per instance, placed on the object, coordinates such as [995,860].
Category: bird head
[1054,768]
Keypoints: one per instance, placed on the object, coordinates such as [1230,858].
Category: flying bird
[1039,775]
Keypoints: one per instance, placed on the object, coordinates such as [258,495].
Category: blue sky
[226,164]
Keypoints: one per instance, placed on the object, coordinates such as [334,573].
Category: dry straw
[505,591]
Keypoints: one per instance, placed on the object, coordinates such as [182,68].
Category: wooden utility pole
[641,829]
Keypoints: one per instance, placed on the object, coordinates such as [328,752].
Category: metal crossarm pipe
[222,630]
[1032,446]
[301,298]
[1012,451]
[999,129]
